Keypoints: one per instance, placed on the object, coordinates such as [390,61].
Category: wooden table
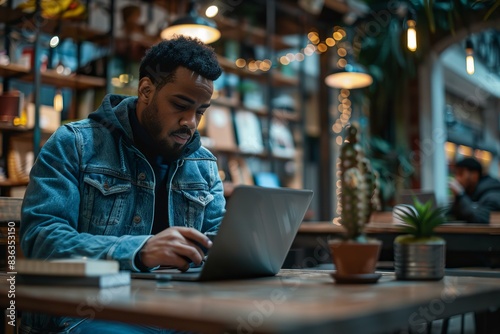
[466,244]
[295,301]
[382,222]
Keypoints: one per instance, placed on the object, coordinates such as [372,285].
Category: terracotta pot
[355,258]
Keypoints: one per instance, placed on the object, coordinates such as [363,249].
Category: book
[67,267]
[267,179]
[220,128]
[248,132]
[281,138]
[20,159]
[100,281]
[240,172]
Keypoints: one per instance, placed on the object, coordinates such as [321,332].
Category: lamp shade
[352,76]
[193,26]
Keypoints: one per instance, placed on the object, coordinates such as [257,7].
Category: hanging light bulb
[349,74]
[411,35]
[469,57]
[194,26]
[58,101]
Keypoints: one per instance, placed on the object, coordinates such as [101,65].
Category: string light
[469,57]
[211,11]
[315,46]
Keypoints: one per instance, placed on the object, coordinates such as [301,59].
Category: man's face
[466,178]
[172,114]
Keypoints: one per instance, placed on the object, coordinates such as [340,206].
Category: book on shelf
[248,132]
[281,139]
[267,179]
[220,128]
[20,158]
[67,267]
[101,281]
[239,171]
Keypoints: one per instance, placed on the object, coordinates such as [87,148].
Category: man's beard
[162,146]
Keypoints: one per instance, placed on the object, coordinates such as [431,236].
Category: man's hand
[175,246]
[455,187]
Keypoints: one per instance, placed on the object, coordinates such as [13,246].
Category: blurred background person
[475,194]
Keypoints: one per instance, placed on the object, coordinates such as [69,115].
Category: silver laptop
[254,237]
[407,196]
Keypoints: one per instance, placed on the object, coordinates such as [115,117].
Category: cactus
[358,193]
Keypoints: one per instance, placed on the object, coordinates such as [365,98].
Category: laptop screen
[256,232]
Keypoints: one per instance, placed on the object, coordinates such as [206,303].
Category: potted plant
[419,254]
[355,256]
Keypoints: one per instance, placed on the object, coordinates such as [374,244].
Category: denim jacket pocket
[104,202]
[194,203]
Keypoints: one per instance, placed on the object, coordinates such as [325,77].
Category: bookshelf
[271,84]
[15,20]
[237,30]
[232,30]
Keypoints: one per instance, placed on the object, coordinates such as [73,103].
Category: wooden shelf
[262,112]
[7,185]
[75,81]
[234,29]
[51,77]
[236,151]
[10,16]
[287,115]
[7,126]
[13,70]
[77,31]
[278,113]
[74,28]
[226,102]
[278,79]
[11,183]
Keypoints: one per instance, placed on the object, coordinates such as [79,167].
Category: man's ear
[146,90]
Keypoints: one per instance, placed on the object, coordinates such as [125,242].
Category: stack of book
[73,272]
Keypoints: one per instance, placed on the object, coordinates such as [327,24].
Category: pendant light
[193,25]
[351,75]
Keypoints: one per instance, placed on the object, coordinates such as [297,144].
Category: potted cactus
[419,254]
[355,256]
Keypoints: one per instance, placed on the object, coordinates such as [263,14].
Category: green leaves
[421,219]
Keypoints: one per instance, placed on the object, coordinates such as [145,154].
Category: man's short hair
[470,164]
[162,60]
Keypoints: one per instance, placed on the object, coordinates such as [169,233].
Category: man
[132,182]
[475,194]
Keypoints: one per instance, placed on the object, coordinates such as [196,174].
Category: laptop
[254,236]
[407,196]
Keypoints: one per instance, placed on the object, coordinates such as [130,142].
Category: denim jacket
[91,191]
